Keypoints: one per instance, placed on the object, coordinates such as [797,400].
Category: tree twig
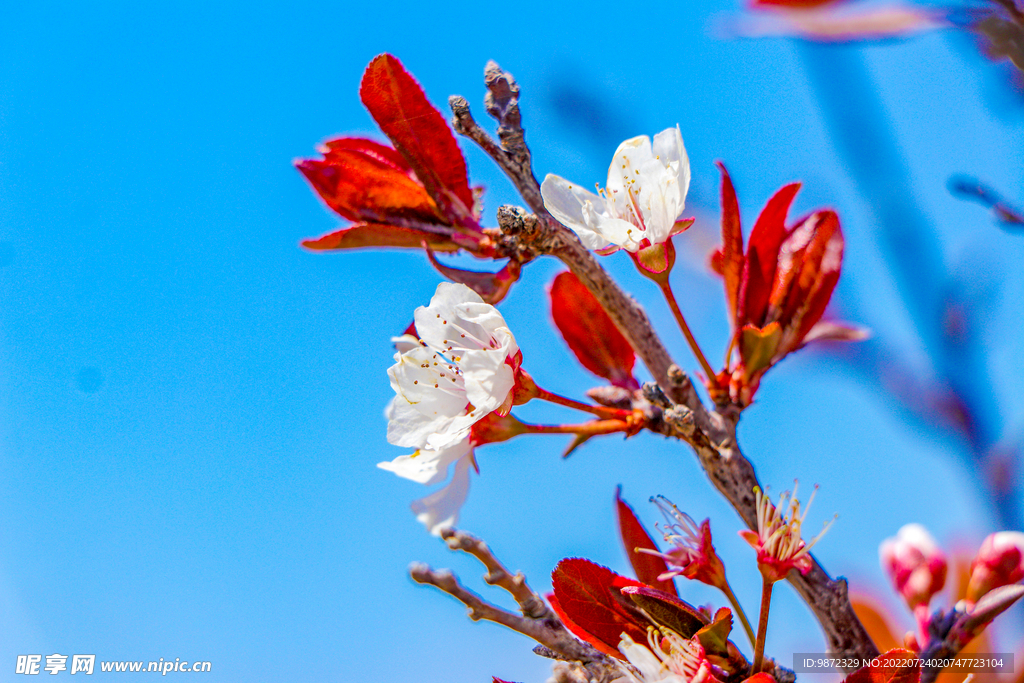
[537,621]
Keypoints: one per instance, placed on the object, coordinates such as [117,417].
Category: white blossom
[645,195]
[459,371]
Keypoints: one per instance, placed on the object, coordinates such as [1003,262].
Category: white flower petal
[427,466]
[573,206]
[630,156]
[441,508]
[669,149]
[488,380]
[411,428]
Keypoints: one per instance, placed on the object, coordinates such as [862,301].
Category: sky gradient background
[191,405]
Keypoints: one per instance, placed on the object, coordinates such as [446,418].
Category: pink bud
[1000,562]
[915,563]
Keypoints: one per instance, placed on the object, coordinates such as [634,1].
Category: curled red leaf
[364,235]
[730,258]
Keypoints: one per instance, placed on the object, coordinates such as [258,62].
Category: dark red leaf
[495,679]
[762,255]
[420,134]
[363,235]
[667,609]
[579,631]
[895,666]
[647,567]
[492,287]
[588,598]
[820,273]
[361,180]
[590,333]
[731,255]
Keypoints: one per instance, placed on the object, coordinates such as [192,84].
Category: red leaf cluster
[778,289]
[590,332]
[403,196]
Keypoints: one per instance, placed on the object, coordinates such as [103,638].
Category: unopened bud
[915,563]
[1000,562]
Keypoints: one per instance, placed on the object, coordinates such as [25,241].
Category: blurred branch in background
[973,189]
[958,397]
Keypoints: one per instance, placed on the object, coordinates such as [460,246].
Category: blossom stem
[666,289]
[592,428]
[762,625]
[600,411]
[727,589]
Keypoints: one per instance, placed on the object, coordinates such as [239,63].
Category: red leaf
[363,235]
[822,266]
[495,679]
[791,4]
[492,287]
[366,181]
[731,255]
[647,567]
[762,255]
[667,609]
[590,333]
[895,666]
[588,598]
[420,134]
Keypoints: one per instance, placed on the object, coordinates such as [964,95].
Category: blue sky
[191,405]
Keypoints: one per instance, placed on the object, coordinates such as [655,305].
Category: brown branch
[712,435]
[537,621]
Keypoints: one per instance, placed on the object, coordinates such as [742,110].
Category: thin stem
[666,289]
[592,428]
[762,625]
[600,411]
[727,589]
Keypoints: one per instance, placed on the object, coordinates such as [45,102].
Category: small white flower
[646,193]
[458,374]
[459,371]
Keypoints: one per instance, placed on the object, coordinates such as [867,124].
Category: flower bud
[915,563]
[1000,562]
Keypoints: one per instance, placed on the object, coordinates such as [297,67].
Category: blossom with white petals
[645,195]
[667,658]
[461,369]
